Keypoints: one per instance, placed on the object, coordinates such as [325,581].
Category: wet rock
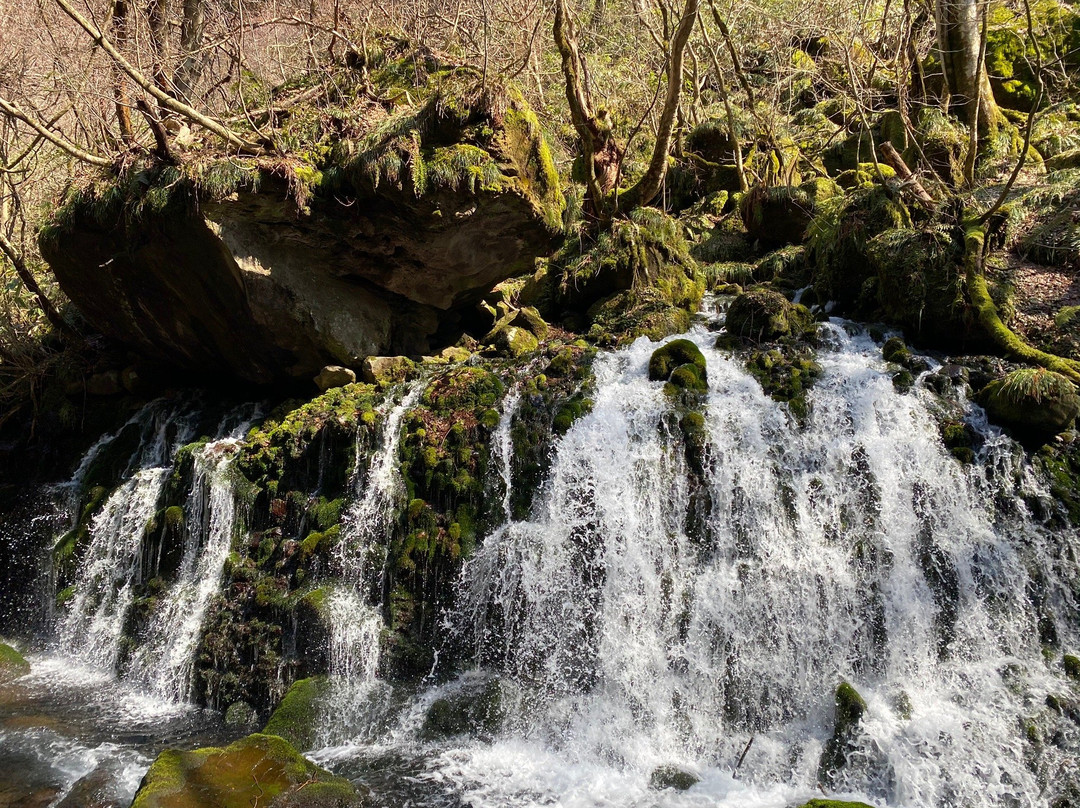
[834,804]
[334,376]
[387,370]
[98,789]
[12,663]
[476,711]
[529,318]
[1071,664]
[256,770]
[241,714]
[849,710]
[1033,402]
[294,719]
[672,777]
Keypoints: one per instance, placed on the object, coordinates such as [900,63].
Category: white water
[502,445]
[91,629]
[635,646]
[164,662]
[355,623]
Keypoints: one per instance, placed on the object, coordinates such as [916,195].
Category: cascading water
[354,623]
[92,627]
[502,444]
[851,548]
[164,662]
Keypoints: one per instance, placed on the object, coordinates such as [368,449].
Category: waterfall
[92,628]
[355,623]
[503,447]
[849,548]
[164,662]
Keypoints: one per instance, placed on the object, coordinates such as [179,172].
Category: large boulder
[256,770]
[271,270]
[1033,402]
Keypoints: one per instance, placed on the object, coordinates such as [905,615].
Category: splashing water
[853,547]
[92,629]
[355,623]
[165,661]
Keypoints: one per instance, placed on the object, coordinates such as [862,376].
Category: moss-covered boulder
[256,770]
[675,354]
[372,244]
[849,708]
[1034,402]
[647,250]
[12,663]
[295,717]
[762,314]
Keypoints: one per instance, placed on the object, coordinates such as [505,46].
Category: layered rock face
[266,284]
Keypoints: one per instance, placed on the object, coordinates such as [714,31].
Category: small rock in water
[672,777]
[98,789]
[241,714]
[334,376]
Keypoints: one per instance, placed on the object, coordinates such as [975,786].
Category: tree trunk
[120,88]
[157,14]
[191,37]
[959,30]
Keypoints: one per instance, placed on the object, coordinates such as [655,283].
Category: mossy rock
[622,318]
[1071,664]
[1034,402]
[515,342]
[12,663]
[849,708]
[839,239]
[786,373]
[763,314]
[781,215]
[295,717]
[672,777]
[259,769]
[676,354]
[477,711]
[821,803]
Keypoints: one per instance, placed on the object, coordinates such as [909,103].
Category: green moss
[786,373]
[295,717]
[258,769]
[675,354]
[1071,664]
[762,314]
[849,709]
[477,712]
[1034,401]
[12,663]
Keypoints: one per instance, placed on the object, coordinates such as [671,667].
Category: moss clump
[646,250]
[1071,664]
[258,769]
[68,550]
[786,373]
[1035,402]
[849,710]
[762,314]
[622,318]
[12,663]
[295,717]
[838,241]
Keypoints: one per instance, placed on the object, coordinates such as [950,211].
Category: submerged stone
[473,712]
[672,777]
[256,770]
